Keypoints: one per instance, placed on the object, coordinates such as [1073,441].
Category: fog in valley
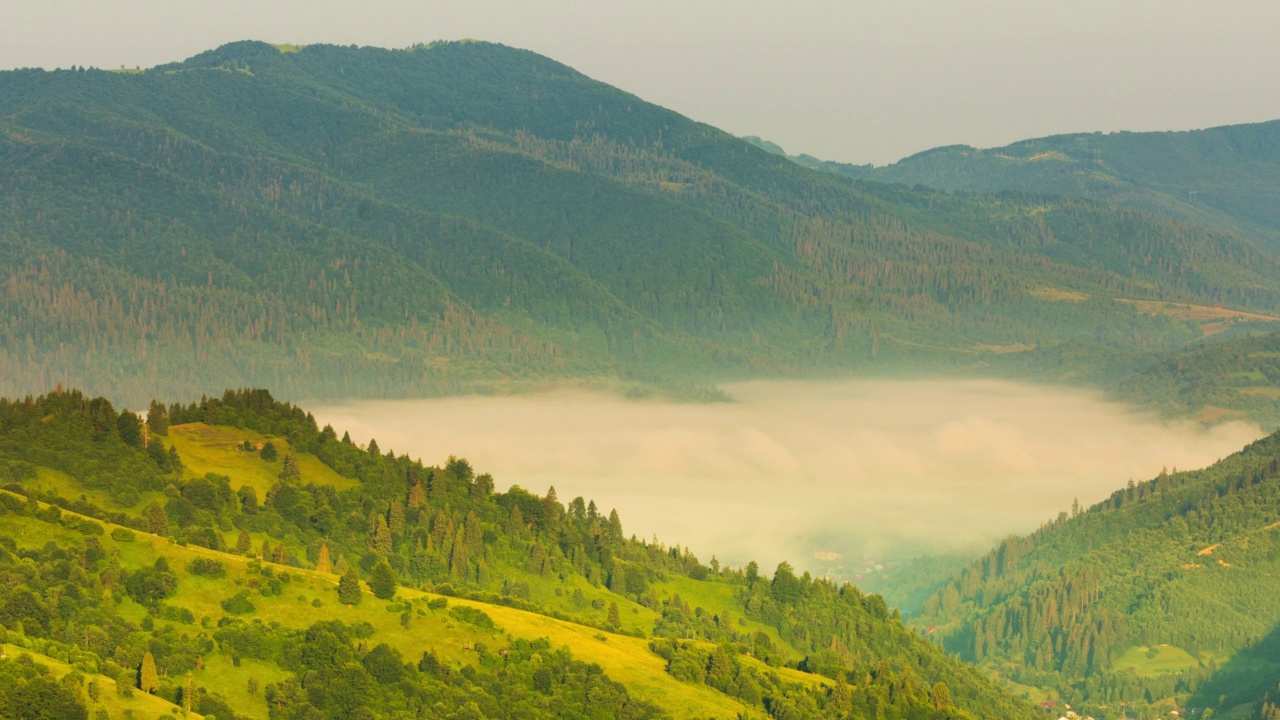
[830,476]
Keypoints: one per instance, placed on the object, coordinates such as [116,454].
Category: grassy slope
[144,706]
[625,659]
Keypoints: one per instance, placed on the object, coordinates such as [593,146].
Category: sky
[854,81]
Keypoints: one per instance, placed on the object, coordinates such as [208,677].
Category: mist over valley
[827,475]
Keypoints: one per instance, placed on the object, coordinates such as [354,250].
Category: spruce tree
[473,532]
[291,469]
[341,567]
[515,524]
[148,678]
[459,563]
[189,694]
[417,496]
[615,618]
[382,538]
[158,418]
[395,519]
[615,527]
[349,588]
[157,521]
[941,696]
[244,543]
[382,581]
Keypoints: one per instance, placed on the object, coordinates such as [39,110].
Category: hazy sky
[857,469]
[858,80]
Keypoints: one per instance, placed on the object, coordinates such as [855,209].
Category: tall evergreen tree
[157,521]
[417,496]
[614,620]
[291,470]
[382,543]
[349,588]
[243,542]
[382,581]
[148,678]
[158,419]
[395,519]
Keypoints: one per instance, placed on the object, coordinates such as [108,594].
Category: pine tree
[382,538]
[373,448]
[382,581]
[473,532]
[189,693]
[281,555]
[459,563]
[243,542]
[395,519]
[349,587]
[158,418]
[841,698]
[322,563]
[615,527]
[291,469]
[265,551]
[552,503]
[417,496]
[615,618]
[148,679]
[941,696]
[252,685]
[341,567]
[515,524]
[157,521]
[437,484]
[719,670]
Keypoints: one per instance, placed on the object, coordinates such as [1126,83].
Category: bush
[123,535]
[238,604]
[472,616]
[207,567]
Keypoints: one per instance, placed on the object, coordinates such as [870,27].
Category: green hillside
[1225,177]
[1161,596]
[457,217]
[232,558]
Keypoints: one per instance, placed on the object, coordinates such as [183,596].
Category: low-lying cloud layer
[821,474]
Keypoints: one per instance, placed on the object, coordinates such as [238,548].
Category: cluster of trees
[334,675]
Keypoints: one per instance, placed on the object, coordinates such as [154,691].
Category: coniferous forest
[331,222]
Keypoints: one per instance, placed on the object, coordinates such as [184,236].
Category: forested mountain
[1164,594]
[334,221]
[233,559]
[1224,177]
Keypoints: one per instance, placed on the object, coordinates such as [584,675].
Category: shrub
[238,604]
[207,567]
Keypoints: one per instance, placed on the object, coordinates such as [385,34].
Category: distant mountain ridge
[462,217]
[1226,177]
